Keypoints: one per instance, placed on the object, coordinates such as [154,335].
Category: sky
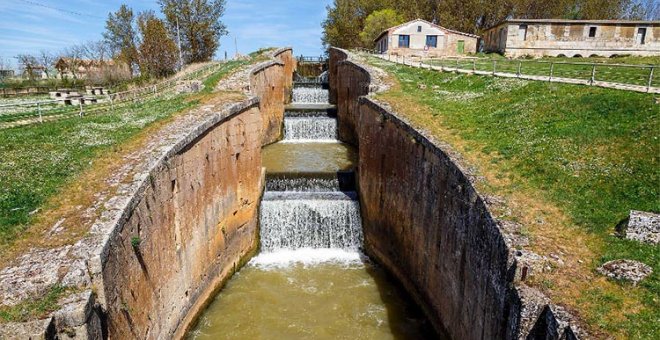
[28,26]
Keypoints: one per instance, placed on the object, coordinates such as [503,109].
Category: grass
[41,161]
[571,161]
[34,308]
[575,68]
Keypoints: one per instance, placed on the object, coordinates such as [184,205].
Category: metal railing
[23,113]
[640,78]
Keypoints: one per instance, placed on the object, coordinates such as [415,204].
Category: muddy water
[308,157]
[349,300]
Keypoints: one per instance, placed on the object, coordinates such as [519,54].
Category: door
[460,47]
[641,35]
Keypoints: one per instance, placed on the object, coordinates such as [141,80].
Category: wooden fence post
[519,67]
[494,66]
[552,71]
[648,89]
[593,75]
[41,118]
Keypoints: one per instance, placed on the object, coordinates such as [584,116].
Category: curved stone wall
[285,56]
[192,223]
[267,81]
[427,225]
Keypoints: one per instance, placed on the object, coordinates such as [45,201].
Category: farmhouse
[573,38]
[422,38]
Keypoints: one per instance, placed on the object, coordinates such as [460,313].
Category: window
[641,35]
[432,40]
[522,32]
[404,41]
[419,28]
[592,32]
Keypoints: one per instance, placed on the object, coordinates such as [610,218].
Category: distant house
[422,38]
[573,38]
[4,74]
[69,68]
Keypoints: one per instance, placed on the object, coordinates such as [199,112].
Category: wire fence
[641,78]
[28,112]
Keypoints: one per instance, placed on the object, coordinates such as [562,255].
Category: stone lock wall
[427,225]
[285,56]
[191,227]
[268,82]
[348,83]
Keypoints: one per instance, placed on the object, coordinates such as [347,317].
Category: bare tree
[97,50]
[27,63]
[46,59]
[71,60]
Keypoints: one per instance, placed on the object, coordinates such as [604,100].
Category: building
[70,68]
[422,38]
[573,38]
[5,74]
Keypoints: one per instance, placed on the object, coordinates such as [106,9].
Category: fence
[640,78]
[22,113]
[26,91]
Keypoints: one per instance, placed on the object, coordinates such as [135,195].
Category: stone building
[573,38]
[422,38]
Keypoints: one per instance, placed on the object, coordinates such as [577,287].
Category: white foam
[306,257]
[309,140]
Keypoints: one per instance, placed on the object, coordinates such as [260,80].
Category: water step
[310,196]
[310,129]
[310,220]
[318,182]
[311,84]
[310,107]
[310,95]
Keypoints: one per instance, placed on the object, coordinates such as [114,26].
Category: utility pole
[178,38]
[236,46]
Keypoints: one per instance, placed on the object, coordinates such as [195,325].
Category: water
[349,299]
[311,279]
[310,129]
[318,221]
[310,95]
[308,157]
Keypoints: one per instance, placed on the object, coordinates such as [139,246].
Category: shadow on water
[406,320]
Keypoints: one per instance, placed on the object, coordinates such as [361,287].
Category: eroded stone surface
[643,227]
[627,270]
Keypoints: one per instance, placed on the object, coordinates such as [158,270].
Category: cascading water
[310,95]
[310,279]
[312,129]
[292,221]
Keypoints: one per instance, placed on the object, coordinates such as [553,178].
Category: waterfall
[301,184]
[310,95]
[314,216]
[312,129]
[291,221]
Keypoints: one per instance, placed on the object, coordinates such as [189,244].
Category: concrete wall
[195,221]
[268,82]
[572,39]
[427,225]
[447,41]
[285,56]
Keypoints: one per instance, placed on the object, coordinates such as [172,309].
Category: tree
[46,59]
[121,37]
[198,24]
[27,63]
[346,19]
[377,22]
[158,52]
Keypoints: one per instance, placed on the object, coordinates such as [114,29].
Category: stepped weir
[311,278]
